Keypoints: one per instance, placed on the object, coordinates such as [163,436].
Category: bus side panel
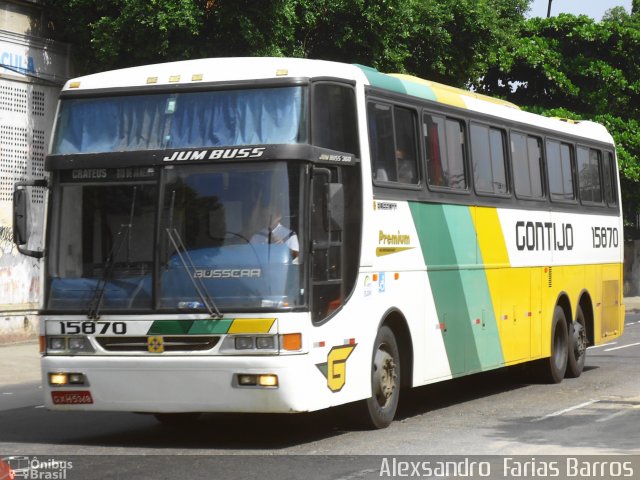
[460,290]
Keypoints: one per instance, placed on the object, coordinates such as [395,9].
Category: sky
[593,8]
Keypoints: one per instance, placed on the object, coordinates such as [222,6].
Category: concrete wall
[32,71]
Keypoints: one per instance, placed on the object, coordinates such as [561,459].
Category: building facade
[32,72]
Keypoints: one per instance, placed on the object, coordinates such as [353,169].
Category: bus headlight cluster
[69,345]
[257,344]
[248,343]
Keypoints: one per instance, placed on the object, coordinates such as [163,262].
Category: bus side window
[334,118]
[382,142]
[526,154]
[589,161]
[444,144]
[392,135]
[406,155]
[488,153]
[608,171]
[560,171]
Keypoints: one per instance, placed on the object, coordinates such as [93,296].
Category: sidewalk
[20,362]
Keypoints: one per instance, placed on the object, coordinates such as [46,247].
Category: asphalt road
[496,413]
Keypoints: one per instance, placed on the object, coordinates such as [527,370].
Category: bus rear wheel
[552,369]
[378,410]
[577,345]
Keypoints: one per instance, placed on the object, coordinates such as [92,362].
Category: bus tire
[577,345]
[552,369]
[379,410]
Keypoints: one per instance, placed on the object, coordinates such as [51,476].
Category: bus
[282,235]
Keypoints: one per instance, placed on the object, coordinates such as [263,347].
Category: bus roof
[257,68]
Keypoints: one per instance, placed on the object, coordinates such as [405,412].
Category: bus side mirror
[21,217]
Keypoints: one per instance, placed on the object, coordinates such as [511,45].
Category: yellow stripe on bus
[251,325]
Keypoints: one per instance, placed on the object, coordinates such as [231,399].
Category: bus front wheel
[378,410]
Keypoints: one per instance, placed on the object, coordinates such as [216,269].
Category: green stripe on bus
[460,289]
[170,327]
[190,327]
[380,80]
[205,327]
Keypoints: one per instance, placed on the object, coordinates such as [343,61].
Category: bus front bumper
[183,384]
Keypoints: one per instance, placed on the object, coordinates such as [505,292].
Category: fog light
[247,380]
[58,379]
[266,343]
[268,380]
[76,378]
[244,343]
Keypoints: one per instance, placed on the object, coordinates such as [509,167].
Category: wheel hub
[385,377]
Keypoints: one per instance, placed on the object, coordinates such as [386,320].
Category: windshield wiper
[101,286]
[187,263]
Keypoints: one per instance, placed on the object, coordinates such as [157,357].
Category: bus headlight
[250,344]
[69,346]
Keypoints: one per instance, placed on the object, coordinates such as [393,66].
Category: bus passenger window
[444,142]
[382,142]
[406,158]
[392,135]
[560,170]
[526,153]
[589,161]
[487,150]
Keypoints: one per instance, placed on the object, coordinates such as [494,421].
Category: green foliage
[588,69]
[575,67]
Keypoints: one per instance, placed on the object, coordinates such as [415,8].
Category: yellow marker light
[282,72]
[292,341]
[174,78]
[74,85]
[196,77]
[151,80]
[268,380]
[58,379]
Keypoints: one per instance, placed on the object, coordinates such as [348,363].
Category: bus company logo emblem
[216,154]
[335,369]
[155,344]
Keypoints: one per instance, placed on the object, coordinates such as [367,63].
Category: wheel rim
[579,340]
[384,377]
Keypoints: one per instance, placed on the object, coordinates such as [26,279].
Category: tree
[447,40]
[588,70]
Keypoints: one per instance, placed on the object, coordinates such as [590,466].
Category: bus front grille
[189,343]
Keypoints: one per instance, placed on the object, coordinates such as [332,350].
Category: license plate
[76,397]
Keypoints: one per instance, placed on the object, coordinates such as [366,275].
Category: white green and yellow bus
[288,235]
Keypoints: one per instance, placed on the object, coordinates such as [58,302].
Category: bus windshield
[221,234]
[180,120]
